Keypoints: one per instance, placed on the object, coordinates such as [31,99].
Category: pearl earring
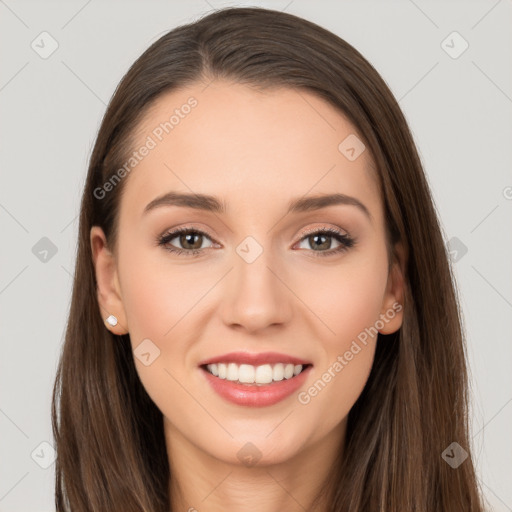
[112,320]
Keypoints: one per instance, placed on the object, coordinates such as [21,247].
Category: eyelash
[346,242]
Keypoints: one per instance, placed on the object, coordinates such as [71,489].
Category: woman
[263,314]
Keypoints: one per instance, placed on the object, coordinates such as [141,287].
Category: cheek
[348,301]
[157,299]
[158,295]
[161,302]
[348,298]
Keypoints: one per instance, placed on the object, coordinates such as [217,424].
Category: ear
[393,304]
[108,289]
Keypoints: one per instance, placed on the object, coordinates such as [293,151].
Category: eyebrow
[213,204]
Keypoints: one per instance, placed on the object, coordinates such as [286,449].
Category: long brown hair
[109,434]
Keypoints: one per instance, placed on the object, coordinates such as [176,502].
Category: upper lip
[254,359]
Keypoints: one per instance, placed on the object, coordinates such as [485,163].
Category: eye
[191,241]
[322,239]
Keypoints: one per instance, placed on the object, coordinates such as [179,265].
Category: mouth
[255,380]
[252,375]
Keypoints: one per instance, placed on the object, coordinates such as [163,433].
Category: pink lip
[254,359]
[254,395]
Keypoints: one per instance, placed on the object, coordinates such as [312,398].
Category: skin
[256,151]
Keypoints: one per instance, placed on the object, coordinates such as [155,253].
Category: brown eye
[191,240]
[320,242]
[187,241]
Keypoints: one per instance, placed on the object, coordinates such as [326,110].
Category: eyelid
[325,228]
[180,229]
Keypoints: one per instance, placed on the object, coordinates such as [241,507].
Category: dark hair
[109,434]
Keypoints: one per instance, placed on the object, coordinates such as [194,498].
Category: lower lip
[256,395]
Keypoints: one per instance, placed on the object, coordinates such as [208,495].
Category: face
[273,284]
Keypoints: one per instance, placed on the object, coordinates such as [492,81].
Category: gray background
[459,110]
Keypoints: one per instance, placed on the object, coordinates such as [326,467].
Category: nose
[255,295]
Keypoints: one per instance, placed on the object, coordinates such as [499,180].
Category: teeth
[246,373]
[232,372]
[249,374]
[214,370]
[288,371]
[278,372]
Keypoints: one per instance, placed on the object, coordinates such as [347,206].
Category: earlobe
[393,305]
[107,289]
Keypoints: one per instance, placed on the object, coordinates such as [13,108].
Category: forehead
[251,148]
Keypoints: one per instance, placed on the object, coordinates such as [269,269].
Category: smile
[255,385]
[250,374]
